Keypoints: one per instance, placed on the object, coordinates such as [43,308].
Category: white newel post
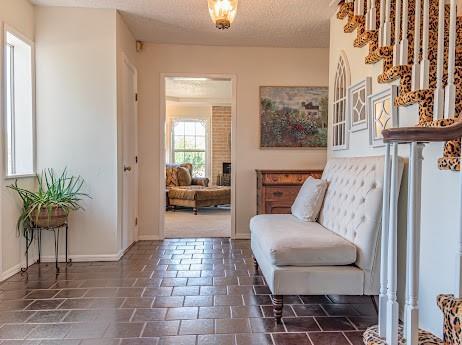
[450,92]
[387,24]
[392,265]
[438,109]
[404,52]
[396,47]
[383,298]
[416,57]
[425,63]
[382,23]
[411,331]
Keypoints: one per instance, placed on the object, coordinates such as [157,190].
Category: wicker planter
[44,219]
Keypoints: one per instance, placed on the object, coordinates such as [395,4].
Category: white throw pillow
[309,200]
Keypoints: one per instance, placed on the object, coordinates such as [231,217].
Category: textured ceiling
[198,89]
[269,23]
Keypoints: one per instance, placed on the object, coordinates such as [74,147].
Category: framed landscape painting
[293,117]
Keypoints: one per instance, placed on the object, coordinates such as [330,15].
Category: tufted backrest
[353,203]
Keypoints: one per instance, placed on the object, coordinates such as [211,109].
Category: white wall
[253,67]
[19,14]
[440,205]
[77,117]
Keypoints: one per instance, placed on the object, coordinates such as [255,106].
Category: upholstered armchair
[176,177]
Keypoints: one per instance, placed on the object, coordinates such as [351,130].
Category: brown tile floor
[182,292]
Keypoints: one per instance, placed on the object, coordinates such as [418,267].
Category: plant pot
[55,218]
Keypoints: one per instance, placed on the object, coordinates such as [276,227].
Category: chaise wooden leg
[374,303]
[195,211]
[255,264]
[278,304]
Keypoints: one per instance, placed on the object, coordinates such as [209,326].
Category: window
[189,140]
[19,105]
[339,125]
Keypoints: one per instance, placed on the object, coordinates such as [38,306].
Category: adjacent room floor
[209,222]
[182,292]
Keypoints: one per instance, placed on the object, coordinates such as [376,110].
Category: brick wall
[221,139]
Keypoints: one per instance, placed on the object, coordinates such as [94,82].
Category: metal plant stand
[33,231]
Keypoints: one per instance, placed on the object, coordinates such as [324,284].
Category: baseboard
[16,269]
[12,271]
[148,238]
[84,258]
[242,236]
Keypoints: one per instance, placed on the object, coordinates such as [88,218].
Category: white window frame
[364,86]
[340,117]
[207,138]
[390,95]
[8,29]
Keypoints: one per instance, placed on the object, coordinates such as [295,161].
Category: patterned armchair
[185,191]
[176,177]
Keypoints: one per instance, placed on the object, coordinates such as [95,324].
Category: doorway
[197,156]
[130,155]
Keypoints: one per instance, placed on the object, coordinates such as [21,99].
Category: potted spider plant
[49,207]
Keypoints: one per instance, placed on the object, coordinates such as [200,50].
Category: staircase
[419,43]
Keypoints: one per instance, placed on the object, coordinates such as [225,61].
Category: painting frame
[309,111]
[390,94]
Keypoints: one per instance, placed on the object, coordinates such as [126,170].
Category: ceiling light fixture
[223,12]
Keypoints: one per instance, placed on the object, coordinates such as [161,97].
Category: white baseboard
[148,238]
[243,236]
[84,258]
[11,272]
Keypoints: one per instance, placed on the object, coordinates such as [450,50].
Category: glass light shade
[223,12]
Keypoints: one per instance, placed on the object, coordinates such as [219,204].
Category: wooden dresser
[277,189]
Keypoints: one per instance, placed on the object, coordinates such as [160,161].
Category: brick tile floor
[182,291]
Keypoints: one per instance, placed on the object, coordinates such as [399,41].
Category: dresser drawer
[289,179]
[282,193]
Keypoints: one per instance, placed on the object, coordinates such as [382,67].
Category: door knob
[127,168]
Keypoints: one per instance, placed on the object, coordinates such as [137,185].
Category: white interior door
[130,159]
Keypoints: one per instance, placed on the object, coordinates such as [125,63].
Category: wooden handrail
[423,134]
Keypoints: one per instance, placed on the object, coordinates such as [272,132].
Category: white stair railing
[372,16]
[411,331]
[416,63]
[396,46]
[438,102]
[404,45]
[450,91]
[425,62]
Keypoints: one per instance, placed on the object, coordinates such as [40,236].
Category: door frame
[127,64]
[162,162]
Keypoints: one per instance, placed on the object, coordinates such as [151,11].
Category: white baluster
[413,243]
[392,266]
[425,63]
[458,289]
[416,62]
[404,45]
[383,298]
[373,17]
[450,92]
[396,47]
[387,24]
[368,15]
[382,23]
[359,7]
[438,108]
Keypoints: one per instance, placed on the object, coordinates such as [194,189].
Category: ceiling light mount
[223,12]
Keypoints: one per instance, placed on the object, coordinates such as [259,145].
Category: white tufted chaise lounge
[340,254]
